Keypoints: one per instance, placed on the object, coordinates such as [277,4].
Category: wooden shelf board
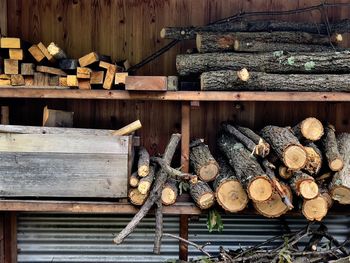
[58,92]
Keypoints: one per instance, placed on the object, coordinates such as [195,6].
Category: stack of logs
[23,64]
[260,55]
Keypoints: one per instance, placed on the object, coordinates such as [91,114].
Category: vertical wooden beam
[2,248]
[185,150]
[10,237]
[3,17]
[5,115]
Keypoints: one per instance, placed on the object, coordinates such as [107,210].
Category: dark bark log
[255,26]
[203,162]
[340,185]
[260,81]
[169,192]
[143,162]
[271,62]
[286,146]
[136,198]
[146,182]
[229,192]
[304,185]
[314,159]
[202,194]
[134,180]
[309,129]
[263,148]
[330,148]
[159,228]
[247,169]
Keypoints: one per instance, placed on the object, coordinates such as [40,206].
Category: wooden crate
[57,165]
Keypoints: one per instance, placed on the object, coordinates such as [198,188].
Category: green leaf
[309,65]
[183,187]
[214,221]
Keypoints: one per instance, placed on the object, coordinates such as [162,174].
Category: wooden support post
[183,247]
[10,237]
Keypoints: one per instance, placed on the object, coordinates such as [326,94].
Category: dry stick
[154,194]
[200,248]
[159,227]
[172,171]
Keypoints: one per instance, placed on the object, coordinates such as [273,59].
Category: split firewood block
[108,82]
[120,78]
[57,118]
[28,80]
[46,53]
[83,73]
[36,53]
[88,59]
[84,84]
[10,66]
[72,81]
[147,83]
[41,79]
[63,81]
[54,81]
[17,80]
[51,70]
[10,42]
[68,64]
[56,51]
[16,53]
[5,80]
[27,69]
[96,77]
[104,64]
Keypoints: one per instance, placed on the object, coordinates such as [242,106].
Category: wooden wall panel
[3,17]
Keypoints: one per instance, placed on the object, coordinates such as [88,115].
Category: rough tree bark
[309,129]
[143,162]
[330,148]
[263,148]
[247,169]
[304,185]
[286,146]
[271,62]
[202,194]
[314,159]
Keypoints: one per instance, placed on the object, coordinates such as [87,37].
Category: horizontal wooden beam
[52,92]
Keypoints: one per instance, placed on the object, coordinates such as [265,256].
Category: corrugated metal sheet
[88,238]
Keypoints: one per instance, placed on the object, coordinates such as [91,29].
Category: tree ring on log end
[315,209]
[168,196]
[207,171]
[143,171]
[231,196]
[312,129]
[308,189]
[294,157]
[341,194]
[260,189]
[206,200]
[336,164]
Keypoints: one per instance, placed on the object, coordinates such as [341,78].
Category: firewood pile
[265,56]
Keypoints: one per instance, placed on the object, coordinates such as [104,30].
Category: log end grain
[168,196]
[312,129]
[341,194]
[260,189]
[136,198]
[143,170]
[315,209]
[134,180]
[231,196]
[144,187]
[243,74]
[284,172]
[308,189]
[336,164]
[314,161]
[209,171]
[294,157]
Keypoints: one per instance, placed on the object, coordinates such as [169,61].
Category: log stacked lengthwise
[266,56]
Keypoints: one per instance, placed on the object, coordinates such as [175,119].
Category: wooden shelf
[59,93]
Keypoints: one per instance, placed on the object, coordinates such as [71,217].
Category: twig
[172,171]
[159,227]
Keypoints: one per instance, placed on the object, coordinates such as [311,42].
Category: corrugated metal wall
[88,238]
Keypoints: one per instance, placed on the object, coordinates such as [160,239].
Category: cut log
[310,129]
[136,198]
[260,81]
[271,62]
[169,192]
[340,185]
[83,73]
[317,208]
[51,70]
[284,172]
[274,207]
[134,180]
[203,162]
[146,181]
[330,148]
[286,146]
[304,185]
[143,168]
[221,42]
[72,81]
[255,26]
[57,118]
[10,42]
[247,169]
[36,53]
[202,194]
[314,159]
[229,192]
[56,51]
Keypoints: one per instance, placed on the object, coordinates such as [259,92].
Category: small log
[262,147]
[274,207]
[56,51]
[247,169]
[169,192]
[130,128]
[203,162]
[270,62]
[304,185]
[143,167]
[229,192]
[314,159]
[146,181]
[286,146]
[136,198]
[330,147]
[309,129]
[159,228]
[340,185]
[202,194]
[134,180]
[317,208]
[260,81]
[316,238]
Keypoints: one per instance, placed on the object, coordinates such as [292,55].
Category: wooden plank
[96,77]
[27,69]
[146,83]
[10,42]
[17,80]
[3,21]
[62,81]
[36,53]
[83,73]
[41,79]
[108,82]
[10,237]
[51,70]
[54,80]
[16,53]
[5,82]
[57,118]
[120,78]
[46,53]
[5,115]
[185,135]
[28,80]
[84,84]
[10,66]
[88,59]
[72,81]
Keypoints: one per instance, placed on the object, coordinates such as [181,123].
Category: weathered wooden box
[61,165]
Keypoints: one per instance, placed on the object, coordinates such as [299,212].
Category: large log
[271,62]
[340,185]
[304,185]
[314,159]
[286,146]
[247,169]
[221,42]
[169,192]
[260,81]
[229,192]
[317,208]
[255,26]
[309,129]
[203,162]
[330,148]
[202,194]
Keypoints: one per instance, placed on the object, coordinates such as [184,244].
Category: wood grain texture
[3,20]
[150,83]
